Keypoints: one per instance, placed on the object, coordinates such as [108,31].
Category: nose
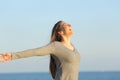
[69,25]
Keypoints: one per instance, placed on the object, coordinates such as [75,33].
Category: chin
[71,33]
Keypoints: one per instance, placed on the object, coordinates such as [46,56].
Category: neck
[66,40]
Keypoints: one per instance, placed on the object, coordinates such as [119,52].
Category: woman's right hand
[5,57]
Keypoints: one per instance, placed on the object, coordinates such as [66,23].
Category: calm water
[46,76]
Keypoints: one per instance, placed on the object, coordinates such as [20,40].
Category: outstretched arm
[41,51]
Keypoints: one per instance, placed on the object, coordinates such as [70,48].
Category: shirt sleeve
[41,51]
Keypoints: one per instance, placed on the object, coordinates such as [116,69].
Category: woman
[64,58]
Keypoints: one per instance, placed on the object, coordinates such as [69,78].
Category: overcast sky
[26,24]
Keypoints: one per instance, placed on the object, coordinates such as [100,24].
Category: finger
[0,58]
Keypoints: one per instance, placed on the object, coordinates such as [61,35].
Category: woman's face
[68,29]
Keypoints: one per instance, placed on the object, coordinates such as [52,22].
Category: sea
[113,75]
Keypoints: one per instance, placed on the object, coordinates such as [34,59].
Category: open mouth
[70,29]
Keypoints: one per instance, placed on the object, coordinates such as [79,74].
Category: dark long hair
[55,37]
